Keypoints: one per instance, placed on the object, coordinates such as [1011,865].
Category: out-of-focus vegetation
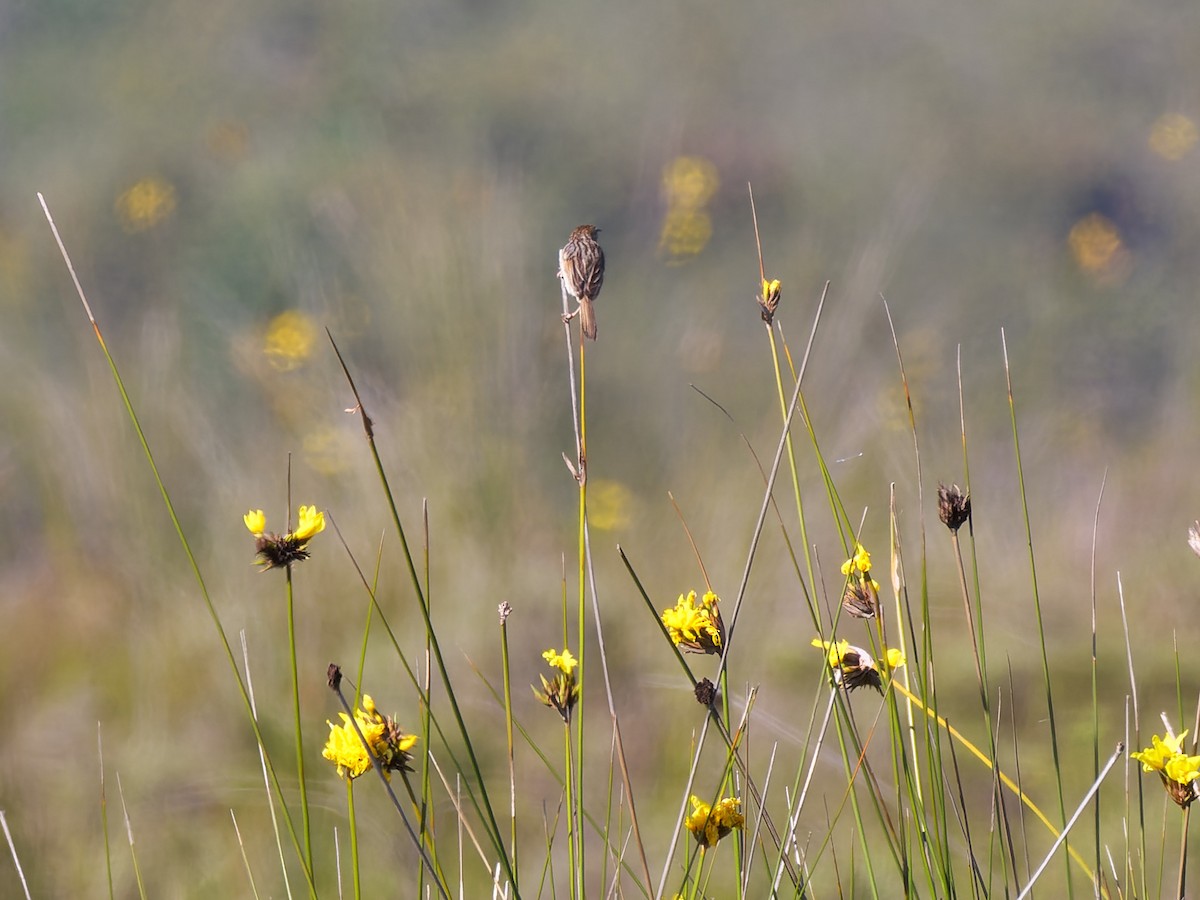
[233,178]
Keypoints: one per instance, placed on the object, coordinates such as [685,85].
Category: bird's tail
[587,318]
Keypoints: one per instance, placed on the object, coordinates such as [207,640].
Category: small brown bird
[581,267]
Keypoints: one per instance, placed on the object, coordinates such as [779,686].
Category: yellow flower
[1177,770]
[834,650]
[562,692]
[769,299]
[256,521]
[387,742]
[859,566]
[859,562]
[275,550]
[565,662]
[312,521]
[854,667]
[696,626]
[709,824]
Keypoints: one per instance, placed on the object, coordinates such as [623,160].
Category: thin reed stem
[492,825]
[1037,601]
[353,820]
[187,549]
[298,723]
[506,674]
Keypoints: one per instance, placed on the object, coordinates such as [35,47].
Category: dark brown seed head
[860,599]
[954,506]
[278,550]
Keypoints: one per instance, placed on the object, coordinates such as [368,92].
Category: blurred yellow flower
[290,339]
[1097,248]
[688,184]
[1173,136]
[685,232]
[689,181]
[709,824]
[608,504]
[148,203]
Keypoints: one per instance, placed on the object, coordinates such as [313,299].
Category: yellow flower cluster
[854,667]
[861,597]
[1177,770]
[696,625]
[859,564]
[709,824]
[565,662]
[280,549]
[388,744]
[562,692]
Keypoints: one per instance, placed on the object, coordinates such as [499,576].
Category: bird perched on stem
[581,267]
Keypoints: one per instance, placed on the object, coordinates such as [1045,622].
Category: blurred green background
[232,178]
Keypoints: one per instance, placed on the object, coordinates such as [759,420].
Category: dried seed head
[954,506]
[1183,794]
[860,599]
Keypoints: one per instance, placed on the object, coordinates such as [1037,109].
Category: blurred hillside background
[232,178]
